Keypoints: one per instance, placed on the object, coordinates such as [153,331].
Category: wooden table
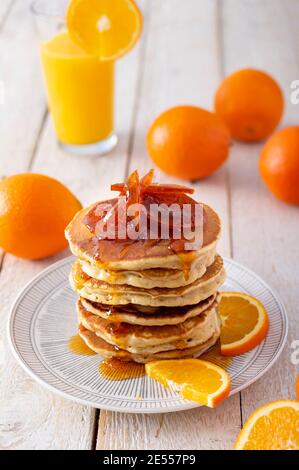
[187,47]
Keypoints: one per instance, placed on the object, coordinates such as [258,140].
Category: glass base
[98,148]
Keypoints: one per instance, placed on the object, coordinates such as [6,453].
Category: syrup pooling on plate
[76,345]
[114,369]
[111,369]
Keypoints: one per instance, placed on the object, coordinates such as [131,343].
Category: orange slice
[105,28]
[297,388]
[244,323]
[271,427]
[196,380]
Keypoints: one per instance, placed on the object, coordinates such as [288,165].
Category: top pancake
[139,254]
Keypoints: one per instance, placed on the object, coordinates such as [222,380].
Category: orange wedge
[104,28]
[196,380]
[244,323]
[271,427]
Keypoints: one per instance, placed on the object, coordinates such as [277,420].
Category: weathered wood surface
[186,48]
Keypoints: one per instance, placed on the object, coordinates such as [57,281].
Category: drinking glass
[80,88]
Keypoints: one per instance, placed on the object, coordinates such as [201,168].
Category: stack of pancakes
[140,301]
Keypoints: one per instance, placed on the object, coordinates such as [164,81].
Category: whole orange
[251,103]
[188,142]
[34,211]
[279,164]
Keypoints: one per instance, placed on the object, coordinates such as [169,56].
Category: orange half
[271,427]
[244,323]
[104,28]
[196,380]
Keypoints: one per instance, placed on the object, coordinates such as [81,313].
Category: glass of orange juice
[80,87]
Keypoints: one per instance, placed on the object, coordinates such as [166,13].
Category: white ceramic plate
[43,319]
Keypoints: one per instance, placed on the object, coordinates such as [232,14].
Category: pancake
[147,299]
[138,339]
[102,292]
[147,316]
[136,255]
[107,350]
[154,277]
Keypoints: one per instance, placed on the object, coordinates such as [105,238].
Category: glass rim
[37,11]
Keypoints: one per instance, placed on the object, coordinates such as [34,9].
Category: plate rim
[185,406]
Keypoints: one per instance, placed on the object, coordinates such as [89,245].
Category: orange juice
[80,92]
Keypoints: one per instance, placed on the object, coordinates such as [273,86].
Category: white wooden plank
[265,231]
[58,423]
[32,417]
[181,67]
[24,106]
[5,9]
[20,120]
[194,429]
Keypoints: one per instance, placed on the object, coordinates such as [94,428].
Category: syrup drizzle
[186,261]
[114,369]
